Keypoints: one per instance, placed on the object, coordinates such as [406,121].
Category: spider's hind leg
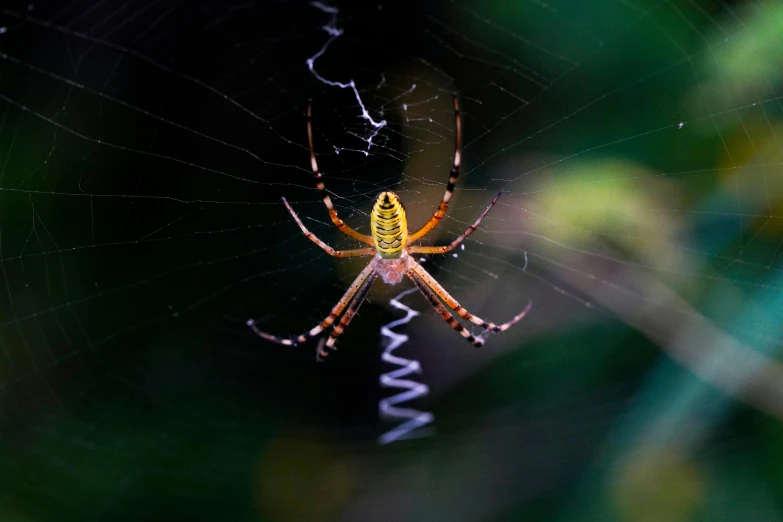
[319,183]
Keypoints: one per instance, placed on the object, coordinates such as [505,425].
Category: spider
[392,246]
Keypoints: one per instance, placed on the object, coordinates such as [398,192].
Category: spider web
[144,149]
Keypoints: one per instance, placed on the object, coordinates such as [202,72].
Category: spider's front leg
[328,321]
[444,313]
[426,278]
[345,320]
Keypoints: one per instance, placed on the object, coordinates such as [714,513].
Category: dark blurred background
[144,149]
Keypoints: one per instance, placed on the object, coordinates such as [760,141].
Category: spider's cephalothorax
[391,246]
[389,226]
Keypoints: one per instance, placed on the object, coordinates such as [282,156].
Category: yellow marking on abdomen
[389,226]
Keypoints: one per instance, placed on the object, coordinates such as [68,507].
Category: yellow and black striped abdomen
[389,226]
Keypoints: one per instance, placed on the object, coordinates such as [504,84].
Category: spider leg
[444,313]
[329,250]
[319,183]
[441,292]
[335,313]
[448,248]
[444,204]
[345,320]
